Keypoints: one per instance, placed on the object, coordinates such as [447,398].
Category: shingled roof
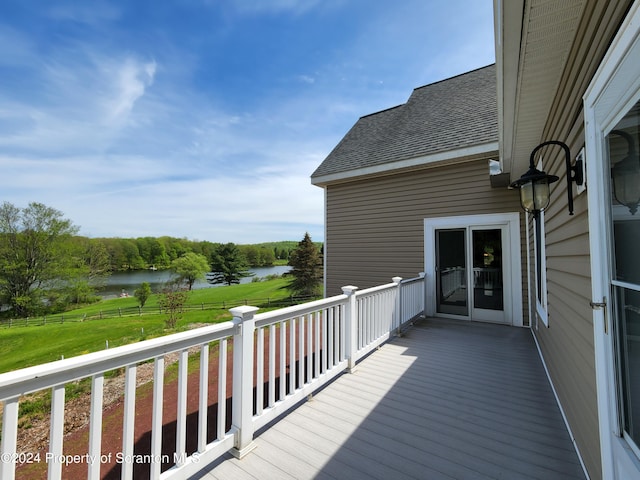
[449,115]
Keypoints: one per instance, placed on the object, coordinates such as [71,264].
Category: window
[540,263]
[624,226]
[612,115]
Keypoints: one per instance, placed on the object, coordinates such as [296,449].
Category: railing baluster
[301,353]
[203,414]
[129,421]
[374,310]
[260,372]
[366,316]
[316,348]
[292,355]
[342,328]
[310,353]
[9,438]
[181,423]
[272,365]
[283,360]
[361,320]
[95,426]
[369,319]
[377,303]
[57,432]
[156,415]
[222,388]
[325,326]
[332,338]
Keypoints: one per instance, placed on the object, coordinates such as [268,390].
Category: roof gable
[452,114]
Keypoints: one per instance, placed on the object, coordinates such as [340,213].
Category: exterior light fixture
[626,176]
[534,184]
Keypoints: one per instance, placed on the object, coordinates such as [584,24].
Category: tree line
[45,265]
[158,252]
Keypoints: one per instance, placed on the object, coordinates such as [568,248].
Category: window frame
[612,91]
[540,267]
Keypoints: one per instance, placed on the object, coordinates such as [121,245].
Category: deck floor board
[448,400]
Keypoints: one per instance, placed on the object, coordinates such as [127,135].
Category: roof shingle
[451,114]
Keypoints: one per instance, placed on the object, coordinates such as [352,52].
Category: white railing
[278,359]
[451,281]
[412,297]
[488,278]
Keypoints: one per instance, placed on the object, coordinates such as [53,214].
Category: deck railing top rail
[274,316]
[33,379]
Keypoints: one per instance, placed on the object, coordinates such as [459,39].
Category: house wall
[567,344]
[375,226]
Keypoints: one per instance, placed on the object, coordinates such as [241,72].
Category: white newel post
[351,318]
[242,402]
[398,304]
[424,293]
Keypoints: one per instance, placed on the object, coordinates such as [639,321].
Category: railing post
[242,403]
[351,327]
[422,275]
[398,306]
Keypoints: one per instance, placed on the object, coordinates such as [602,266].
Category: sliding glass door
[469,272]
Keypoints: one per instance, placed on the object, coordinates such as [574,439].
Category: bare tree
[172,300]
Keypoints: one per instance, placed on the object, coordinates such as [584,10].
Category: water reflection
[127,282]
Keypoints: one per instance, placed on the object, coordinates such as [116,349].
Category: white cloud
[208,208]
[131,79]
[306,79]
[81,103]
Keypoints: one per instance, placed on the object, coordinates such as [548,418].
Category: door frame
[512,272]
[613,90]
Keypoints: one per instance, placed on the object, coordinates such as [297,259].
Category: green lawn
[26,346]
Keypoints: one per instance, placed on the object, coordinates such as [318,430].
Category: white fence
[278,358]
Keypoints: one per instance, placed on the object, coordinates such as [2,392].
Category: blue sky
[204,119]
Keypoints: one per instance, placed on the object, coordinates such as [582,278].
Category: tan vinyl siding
[375,227]
[567,344]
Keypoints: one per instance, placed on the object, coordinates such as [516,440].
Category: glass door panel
[628,352]
[623,141]
[487,269]
[451,272]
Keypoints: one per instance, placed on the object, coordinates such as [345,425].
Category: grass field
[33,345]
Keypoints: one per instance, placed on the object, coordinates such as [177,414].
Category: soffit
[531,75]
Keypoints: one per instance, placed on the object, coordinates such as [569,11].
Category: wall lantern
[626,176]
[534,185]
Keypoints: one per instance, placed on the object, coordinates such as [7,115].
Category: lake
[129,281]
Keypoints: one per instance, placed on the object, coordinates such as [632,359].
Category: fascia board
[508,18]
[425,160]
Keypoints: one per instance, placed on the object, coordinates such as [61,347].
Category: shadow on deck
[449,399]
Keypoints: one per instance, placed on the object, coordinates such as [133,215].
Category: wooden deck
[449,399]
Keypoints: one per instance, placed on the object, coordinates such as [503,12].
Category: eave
[426,161]
[533,40]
